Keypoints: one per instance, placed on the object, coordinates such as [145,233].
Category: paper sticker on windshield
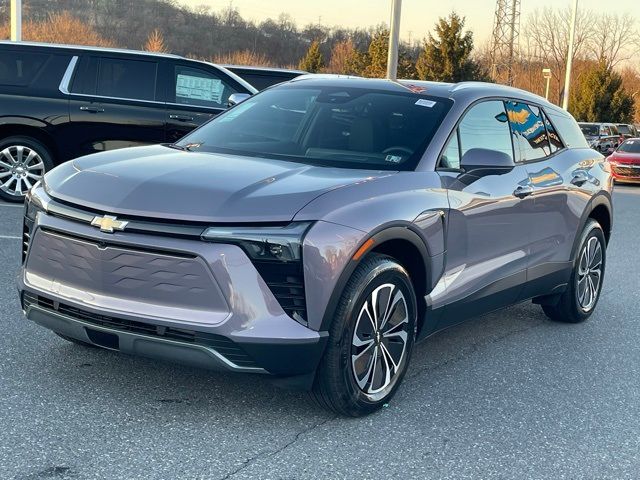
[425,103]
[393,158]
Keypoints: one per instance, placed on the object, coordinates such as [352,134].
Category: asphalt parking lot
[508,395]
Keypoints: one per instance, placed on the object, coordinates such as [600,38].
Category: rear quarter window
[568,129]
[21,68]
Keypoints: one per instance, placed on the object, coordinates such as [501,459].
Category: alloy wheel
[379,340]
[20,168]
[589,274]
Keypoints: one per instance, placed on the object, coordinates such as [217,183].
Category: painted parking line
[10,237]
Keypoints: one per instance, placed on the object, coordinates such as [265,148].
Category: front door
[196,95]
[488,225]
[113,104]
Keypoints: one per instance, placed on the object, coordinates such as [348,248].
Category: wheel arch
[599,209]
[33,130]
[407,247]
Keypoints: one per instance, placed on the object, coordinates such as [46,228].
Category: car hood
[623,157]
[161,182]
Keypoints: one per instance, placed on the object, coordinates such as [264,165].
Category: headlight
[36,200]
[282,244]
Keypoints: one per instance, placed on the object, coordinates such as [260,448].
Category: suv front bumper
[100,288]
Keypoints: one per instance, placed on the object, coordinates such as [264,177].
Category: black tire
[77,342]
[569,308]
[10,192]
[336,387]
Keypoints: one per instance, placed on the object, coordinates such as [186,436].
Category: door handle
[579,179]
[91,109]
[523,191]
[181,118]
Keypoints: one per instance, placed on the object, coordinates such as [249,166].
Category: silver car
[317,230]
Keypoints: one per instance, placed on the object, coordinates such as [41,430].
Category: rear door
[489,225]
[195,94]
[114,103]
[563,184]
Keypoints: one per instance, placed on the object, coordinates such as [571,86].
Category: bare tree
[615,39]
[548,31]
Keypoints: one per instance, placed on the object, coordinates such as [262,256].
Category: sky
[418,16]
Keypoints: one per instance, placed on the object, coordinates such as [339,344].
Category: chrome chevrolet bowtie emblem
[108,223]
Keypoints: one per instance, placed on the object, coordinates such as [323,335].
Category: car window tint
[555,143]
[260,81]
[568,129]
[450,158]
[485,126]
[20,68]
[528,130]
[332,126]
[198,87]
[120,78]
[630,146]
[84,79]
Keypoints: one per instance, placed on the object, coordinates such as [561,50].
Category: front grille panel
[220,344]
[146,277]
[286,282]
[625,171]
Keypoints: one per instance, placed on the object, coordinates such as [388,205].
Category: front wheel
[23,161]
[370,340]
[577,303]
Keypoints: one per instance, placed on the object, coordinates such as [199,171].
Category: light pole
[546,73]
[567,75]
[16,20]
[394,39]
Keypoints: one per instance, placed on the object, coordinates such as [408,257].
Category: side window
[201,88]
[568,129]
[84,79]
[20,68]
[486,126]
[122,78]
[450,158]
[528,130]
[555,143]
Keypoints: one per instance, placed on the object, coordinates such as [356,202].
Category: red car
[625,161]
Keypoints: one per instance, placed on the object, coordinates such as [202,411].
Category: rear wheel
[23,161]
[371,339]
[577,303]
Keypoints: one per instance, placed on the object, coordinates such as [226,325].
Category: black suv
[61,102]
[264,77]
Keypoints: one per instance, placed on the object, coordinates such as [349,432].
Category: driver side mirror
[485,159]
[236,98]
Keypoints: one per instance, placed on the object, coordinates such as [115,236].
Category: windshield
[630,146]
[327,126]
[591,130]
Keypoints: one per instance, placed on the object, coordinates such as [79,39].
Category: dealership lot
[509,395]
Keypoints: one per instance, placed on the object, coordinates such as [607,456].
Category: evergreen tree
[313,61]
[447,57]
[601,97]
[375,59]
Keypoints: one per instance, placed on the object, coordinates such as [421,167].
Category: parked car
[61,102]
[263,77]
[627,130]
[318,229]
[603,137]
[625,162]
